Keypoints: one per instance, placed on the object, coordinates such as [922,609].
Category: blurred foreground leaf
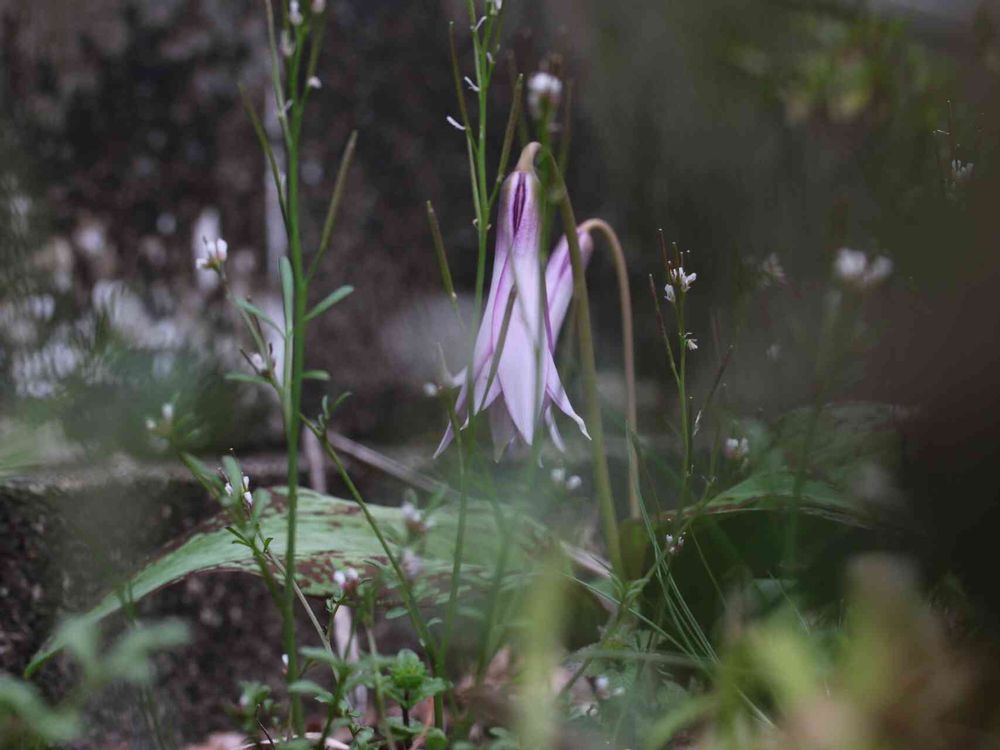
[332,533]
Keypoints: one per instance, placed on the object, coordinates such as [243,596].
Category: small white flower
[855,269]
[544,92]
[454,123]
[150,424]
[431,390]
[259,364]
[673,544]
[494,6]
[167,412]
[412,565]
[318,6]
[669,294]
[479,24]
[228,489]
[878,270]
[471,84]
[347,580]
[414,519]
[314,82]
[284,662]
[602,688]
[736,449]
[690,342]
[214,257]
[850,264]
[294,13]
[771,270]
[248,501]
[558,475]
[574,483]
[961,172]
[681,280]
[246,482]
[287,43]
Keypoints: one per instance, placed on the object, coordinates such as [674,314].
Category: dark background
[740,128]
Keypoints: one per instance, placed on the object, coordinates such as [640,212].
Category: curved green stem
[628,346]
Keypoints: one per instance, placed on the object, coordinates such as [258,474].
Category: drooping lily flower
[526,384]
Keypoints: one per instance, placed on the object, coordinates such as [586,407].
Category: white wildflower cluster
[674,544]
[677,279]
[544,92]
[411,563]
[164,424]
[214,257]
[771,271]
[243,493]
[347,580]
[854,268]
[736,449]
[570,483]
[416,522]
[961,171]
[603,690]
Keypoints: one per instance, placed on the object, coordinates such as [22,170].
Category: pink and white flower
[526,384]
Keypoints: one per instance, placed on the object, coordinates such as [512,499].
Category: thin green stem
[379,698]
[409,601]
[293,424]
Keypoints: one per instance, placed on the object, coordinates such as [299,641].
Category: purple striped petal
[519,372]
[559,281]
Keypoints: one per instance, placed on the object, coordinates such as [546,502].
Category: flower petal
[554,433]
[502,430]
[520,371]
[559,281]
[555,391]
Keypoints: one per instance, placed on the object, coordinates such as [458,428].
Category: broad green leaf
[332,533]
[845,436]
[775,490]
[329,301]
